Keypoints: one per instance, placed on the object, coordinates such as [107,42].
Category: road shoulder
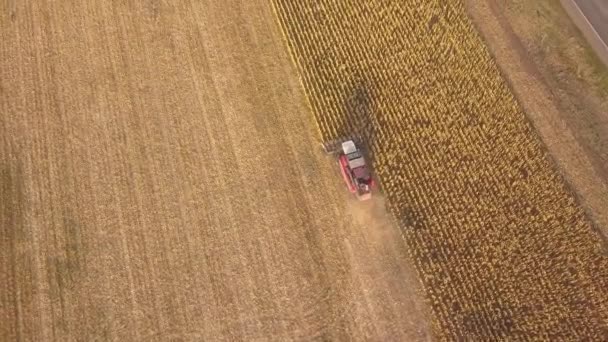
[587,28]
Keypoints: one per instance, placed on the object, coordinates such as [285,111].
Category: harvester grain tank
[353,166]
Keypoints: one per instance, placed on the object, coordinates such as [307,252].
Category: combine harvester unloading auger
[354,168]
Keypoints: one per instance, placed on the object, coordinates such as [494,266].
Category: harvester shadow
[363,122]
[361,110]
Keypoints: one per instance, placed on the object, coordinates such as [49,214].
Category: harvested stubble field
[160,180]
[502,247]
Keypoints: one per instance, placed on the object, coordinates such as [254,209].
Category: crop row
[500,244]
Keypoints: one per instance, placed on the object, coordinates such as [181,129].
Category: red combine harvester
[355,170]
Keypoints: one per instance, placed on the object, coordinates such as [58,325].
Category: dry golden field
[499,239]
[161,179]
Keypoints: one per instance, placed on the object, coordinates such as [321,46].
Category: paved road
[596,12]
[591,16]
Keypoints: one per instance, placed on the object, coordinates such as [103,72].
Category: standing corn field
[500,243]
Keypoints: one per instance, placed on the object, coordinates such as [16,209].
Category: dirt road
[160,180]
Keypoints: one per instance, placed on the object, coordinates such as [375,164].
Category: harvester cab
[354,169]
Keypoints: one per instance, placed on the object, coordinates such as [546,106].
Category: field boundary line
[298,67]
